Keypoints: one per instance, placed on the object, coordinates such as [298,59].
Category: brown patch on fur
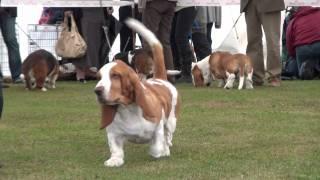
[220,62]
[143,62]
[197,76]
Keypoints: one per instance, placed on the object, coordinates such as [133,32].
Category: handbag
[70,43]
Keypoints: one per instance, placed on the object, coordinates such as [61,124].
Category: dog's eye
[115,76]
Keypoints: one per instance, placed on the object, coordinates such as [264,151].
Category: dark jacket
[303,29]
[12,11]
[264,6]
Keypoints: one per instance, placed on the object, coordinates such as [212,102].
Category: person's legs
[185,18]
[8,30]
[126,42]
[254,47]
[308,60]
[174,48]
[271,26]
[1,95]
[209,30]
[157,17]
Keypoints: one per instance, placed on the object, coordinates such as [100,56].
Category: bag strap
[74,27]
[65,24]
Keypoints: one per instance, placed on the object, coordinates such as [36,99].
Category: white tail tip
[173,72]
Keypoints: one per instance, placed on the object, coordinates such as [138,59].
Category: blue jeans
[310,54]
[8,30]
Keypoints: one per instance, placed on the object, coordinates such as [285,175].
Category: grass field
[266,133]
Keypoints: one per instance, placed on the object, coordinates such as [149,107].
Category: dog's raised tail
[155,45]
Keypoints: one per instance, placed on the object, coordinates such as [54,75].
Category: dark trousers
[126,35]
[308,60]
[209,30]
[201,45]
[8,30]
[157,16]
[1,94]
[181,31]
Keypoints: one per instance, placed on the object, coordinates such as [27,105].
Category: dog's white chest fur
[129,123]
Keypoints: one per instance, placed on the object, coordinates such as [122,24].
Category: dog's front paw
[166,151]
[43,89]
[114,162]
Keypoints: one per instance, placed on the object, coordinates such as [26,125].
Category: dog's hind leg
[241,82]
[249,81]
[158,143]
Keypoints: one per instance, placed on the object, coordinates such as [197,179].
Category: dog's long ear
[108,113]
[151,107]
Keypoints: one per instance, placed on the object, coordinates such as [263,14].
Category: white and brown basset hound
[224,67]
[135,110]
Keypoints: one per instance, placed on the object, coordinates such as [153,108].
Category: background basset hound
[135,110]
[142,62]
[138,59]
[40,70]
[225,67]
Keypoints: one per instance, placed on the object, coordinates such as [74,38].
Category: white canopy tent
[105,3]
[29,12]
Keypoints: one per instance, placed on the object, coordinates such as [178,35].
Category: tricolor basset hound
[40,70]
[142,62]
[225,67]
[135,110]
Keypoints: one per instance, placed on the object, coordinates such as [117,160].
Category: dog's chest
[130,123]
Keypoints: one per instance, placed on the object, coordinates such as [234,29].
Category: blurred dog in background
[40,70]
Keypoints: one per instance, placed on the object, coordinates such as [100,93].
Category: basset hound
[40,70]
[142,62]
[138,59]
[224,67]
[135,110]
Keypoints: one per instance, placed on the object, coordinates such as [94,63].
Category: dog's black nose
[98,90]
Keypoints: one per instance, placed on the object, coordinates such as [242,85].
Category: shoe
[18,81]
[82,81]
[274,82]
[257,83]
[184,79]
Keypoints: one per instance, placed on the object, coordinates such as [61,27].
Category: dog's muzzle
[99,90]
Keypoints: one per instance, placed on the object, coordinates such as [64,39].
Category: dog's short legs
[116,148]
[249,81]
[158,142]
[241,82]
[53,81]
[43,89]
[230,79]
[221,83]
[170,127]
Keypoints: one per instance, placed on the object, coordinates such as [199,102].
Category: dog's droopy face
[200,75]
[115,85]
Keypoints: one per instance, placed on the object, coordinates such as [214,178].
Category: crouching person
[303,41]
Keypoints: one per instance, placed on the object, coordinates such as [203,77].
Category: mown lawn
[266,133]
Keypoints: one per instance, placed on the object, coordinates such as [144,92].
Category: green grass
[265,133]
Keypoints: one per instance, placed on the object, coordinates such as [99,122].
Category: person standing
[180,35]
[207,16]
[7,24]
[303,41]
[157,16]
[267,15]
[126,35]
